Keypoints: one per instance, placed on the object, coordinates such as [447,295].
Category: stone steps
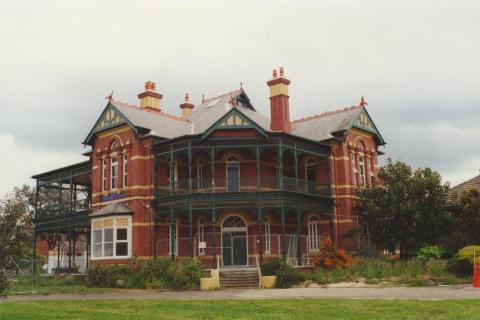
[239,278]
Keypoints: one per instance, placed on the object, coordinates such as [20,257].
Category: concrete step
[239,278]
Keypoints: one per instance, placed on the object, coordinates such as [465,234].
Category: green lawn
[242,309]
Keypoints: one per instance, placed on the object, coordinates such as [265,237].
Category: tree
[466,217]
[406,209]
[15,229]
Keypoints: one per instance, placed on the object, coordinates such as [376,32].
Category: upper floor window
[233,174]
[114,145]
[104,174]
[114,173]
[311,175]
[354,170]
[361,164]
[125,169]
[200,176]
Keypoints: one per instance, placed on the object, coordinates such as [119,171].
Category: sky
[416,62]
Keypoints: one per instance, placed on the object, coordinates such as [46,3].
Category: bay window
[111,238]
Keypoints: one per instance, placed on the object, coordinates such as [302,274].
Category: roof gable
[363,121]
[234,119]
[110,118]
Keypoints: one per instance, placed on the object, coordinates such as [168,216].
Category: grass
[242,309]
[413,272]
[48,285]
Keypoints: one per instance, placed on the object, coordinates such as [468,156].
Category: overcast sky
[416,62]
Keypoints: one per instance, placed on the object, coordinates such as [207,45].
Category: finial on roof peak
[150,85]
[187,97]
[282,72]
[241,85]
[109,96]
[363,103]
[203,98]
[274,73]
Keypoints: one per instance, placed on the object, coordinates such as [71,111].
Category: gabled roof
[473,183]
[329,125]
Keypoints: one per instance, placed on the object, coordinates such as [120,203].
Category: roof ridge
[327,113]
[223,95]
[151,110]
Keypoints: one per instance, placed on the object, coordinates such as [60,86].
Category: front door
[234,248]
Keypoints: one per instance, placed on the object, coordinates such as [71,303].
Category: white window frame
[113,177]
[125,170]
[361,165]
[267,235]
[313,238]
[175,240]
[104,174]
[354,170]
[114,242]
[201,235]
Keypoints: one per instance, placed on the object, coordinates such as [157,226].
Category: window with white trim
[200,176]
[104,174]
[114,173]
[361,165]
[313,238]
[173,238]
[267,235]
[201,235]
[354,171]
[125,170]
[111,238]
[372,165]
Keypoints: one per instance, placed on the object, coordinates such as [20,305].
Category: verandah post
[190,229]
[298,231]
[212,167]
[280,163]
[260,234]
[257,157]
[282,236]
[295,158]
[172,234]
[189,167]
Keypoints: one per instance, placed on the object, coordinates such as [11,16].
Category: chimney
[186,107]
[279,109]
[150,98]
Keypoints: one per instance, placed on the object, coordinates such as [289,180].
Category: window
[200,177]
[104,174]
[114,145]
[361,164]
[201,236]
[233,174]
[111,238]
[372,165]
[267,235]
[313,239]
[114,173]
[311,175]
[172,238]
[125,170]
[354,171]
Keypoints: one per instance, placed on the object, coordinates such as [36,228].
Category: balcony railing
[243,184]
[78,207]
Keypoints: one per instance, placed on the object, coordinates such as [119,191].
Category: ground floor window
[111,237]
[313,239]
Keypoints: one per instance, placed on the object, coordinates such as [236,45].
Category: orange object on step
[476,276]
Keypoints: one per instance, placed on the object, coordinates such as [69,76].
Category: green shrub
[462,262]
[430,252]
[101,275]
[286,275]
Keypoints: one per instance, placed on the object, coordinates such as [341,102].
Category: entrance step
[239,278]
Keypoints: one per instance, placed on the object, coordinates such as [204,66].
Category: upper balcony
[64,192]
[241,166]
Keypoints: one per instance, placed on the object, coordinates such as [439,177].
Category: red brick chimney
[279,108]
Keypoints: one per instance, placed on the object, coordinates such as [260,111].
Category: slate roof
[473,183]
[319,127]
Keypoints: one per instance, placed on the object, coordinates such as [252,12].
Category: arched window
[361,164]
[200,176]
[313,238]
[311,175]
[201,236]
[267,235]
[233,174]
[114,145]
[234,222]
